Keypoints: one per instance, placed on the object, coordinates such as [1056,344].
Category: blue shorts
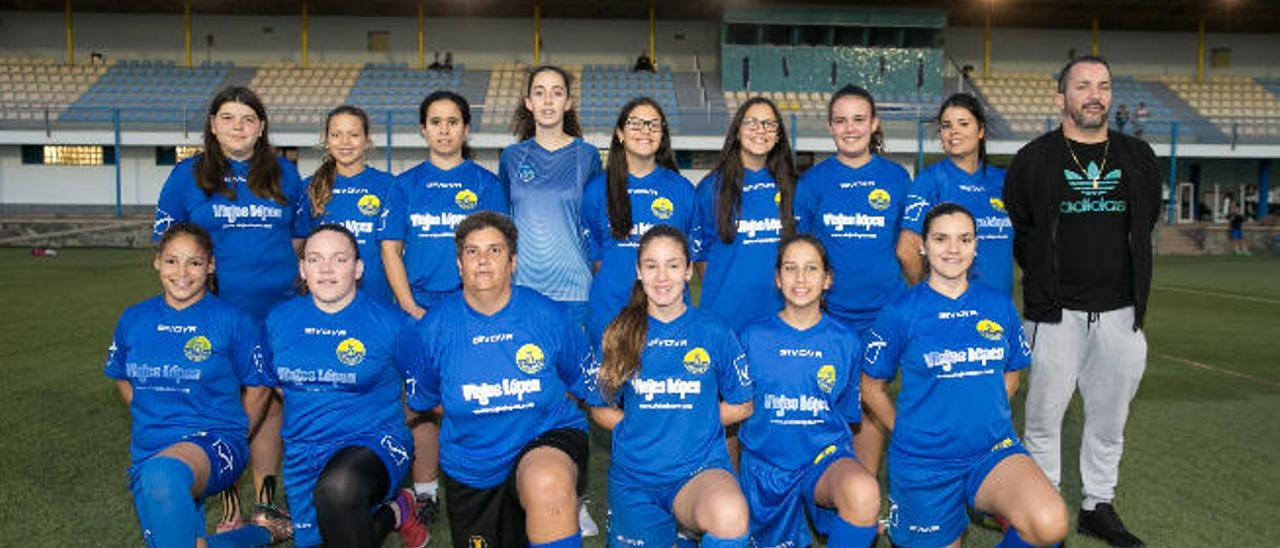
[303,465]
[642,515]
[927,497]
[1237,234]
[228,455]
[779,499]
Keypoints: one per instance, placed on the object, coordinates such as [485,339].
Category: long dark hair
[321,189]
[522,123]
[971,104]
[625,337]
[616,168]
[463,106]
[203,240]
[729,168]
[211,166]
[850,90]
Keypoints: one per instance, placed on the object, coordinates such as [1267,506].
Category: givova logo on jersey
[466,199]
[351,351]
[197,349]
[662,208]
[1093,185]
[990,330]
[697,361]
[369,205]
[530,359]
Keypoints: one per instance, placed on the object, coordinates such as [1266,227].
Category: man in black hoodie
[1083,201]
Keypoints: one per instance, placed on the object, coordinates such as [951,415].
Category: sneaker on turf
[276,521]
[428,508]
[1105,524]
[586,525]
[413,532]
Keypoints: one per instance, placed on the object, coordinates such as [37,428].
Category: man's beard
[1083,120]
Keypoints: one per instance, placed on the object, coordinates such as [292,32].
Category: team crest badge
[879,199]
[662,208]
[477,541]
[465,199]
[827,378]
[526,172]
[351,351]
[529,358]
[997,204]
[369,205]
[697,361]
[197,348]
[990,330]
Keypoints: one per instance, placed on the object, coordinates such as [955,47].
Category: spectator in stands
[435,63]
[247,197]
[854,203]
[1236,234]
[1140,116]
[1122,117]
[1083,201]
[964,178]
[544,175]
[641,188]
[448,62]
[643,64]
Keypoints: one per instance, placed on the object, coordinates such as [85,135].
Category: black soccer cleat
[1105,524]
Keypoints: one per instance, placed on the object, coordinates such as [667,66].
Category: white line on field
[1215,369]
[1219,294]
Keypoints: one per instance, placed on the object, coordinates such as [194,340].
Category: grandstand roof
[1151,15]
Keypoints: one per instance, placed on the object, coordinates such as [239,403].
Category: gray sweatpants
[1102,355]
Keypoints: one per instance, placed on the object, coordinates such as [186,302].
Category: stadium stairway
[473,86]
[1178,240]
[694,111]
[997,126]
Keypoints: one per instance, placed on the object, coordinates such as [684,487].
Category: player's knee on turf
[339,490]
[1045,523]
[857,497]
[547,485]
[724,514]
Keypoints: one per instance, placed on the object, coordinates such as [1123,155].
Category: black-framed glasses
[655,125]
[753,124]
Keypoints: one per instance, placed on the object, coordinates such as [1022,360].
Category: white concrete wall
[256,40]
[1131,53]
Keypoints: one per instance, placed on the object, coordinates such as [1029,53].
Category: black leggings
[352,482]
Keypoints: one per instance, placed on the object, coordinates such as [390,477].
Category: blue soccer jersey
[252,236]
[186,368]
[856,213]
[670,428]
[662,197]
[358,203]
[806,390]
[339,372]
[502,380]
[545,190]
[979,192]
[425,207]
[953,354]
[738,285]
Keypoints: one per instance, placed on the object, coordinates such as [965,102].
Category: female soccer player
[346,445]
[681,376]
[797,453]
[744,208]
[640,189]
[853,203]
[960,348]
[544,175]
[963,178]
[427,203]
[246,197]
[499,363]
[345,190]
[179,361]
